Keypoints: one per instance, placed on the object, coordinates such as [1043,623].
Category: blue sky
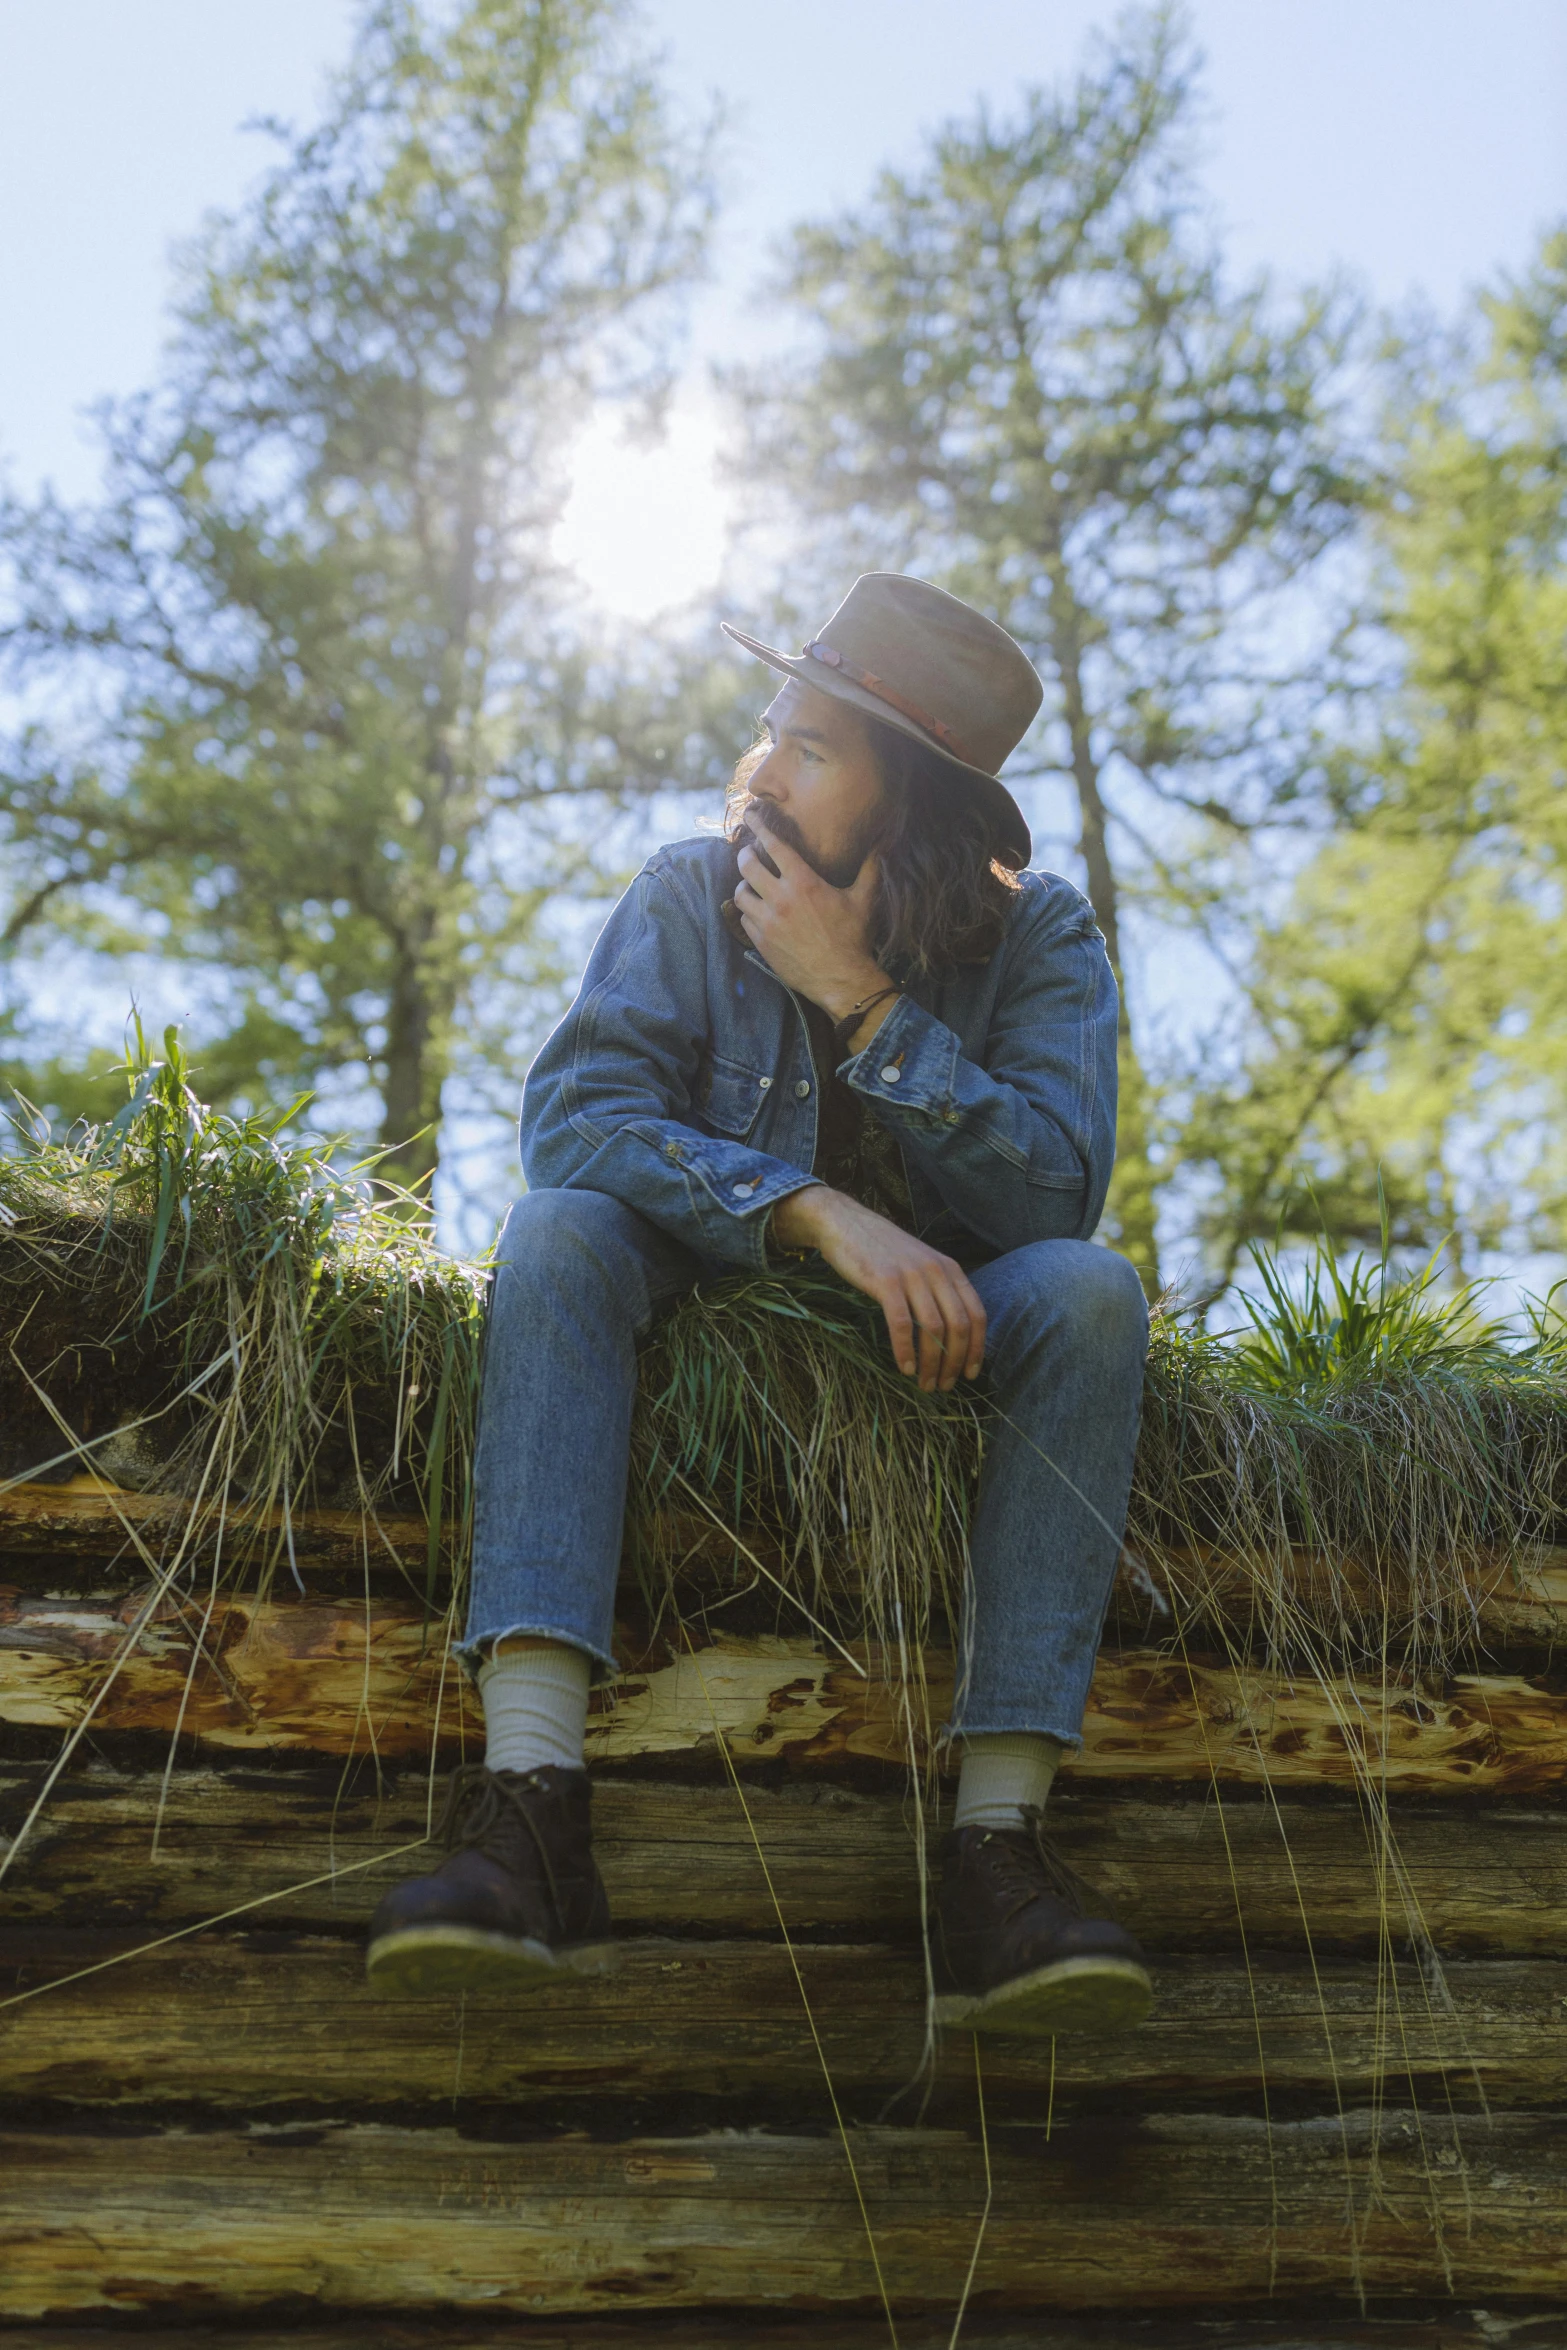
[1421,143]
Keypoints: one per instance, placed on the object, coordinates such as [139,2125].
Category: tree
[1410,1036]
[314,710]
[1027,376]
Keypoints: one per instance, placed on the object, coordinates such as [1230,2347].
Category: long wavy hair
[946,897]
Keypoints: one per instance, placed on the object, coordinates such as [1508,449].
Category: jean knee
[1111,1306]
[550,1237]
[1090,1295]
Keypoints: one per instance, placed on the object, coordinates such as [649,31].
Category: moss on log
[1215,2208]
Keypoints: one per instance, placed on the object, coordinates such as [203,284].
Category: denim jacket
[681,1081]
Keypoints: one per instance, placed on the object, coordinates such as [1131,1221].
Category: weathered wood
[337,1680]
[1505,1605]
[1325,2329]
[112,1849]
[1512,1605]
[1103,2214]
[725,2020]
[88,1518]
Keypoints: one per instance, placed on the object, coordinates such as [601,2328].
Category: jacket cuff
[910,1064]
[732,1189]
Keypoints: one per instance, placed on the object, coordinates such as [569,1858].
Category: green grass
[1324,1484]
[1320,1490]
[285,1327]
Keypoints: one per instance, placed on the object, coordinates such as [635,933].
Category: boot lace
[481,1808]
[1025,1869]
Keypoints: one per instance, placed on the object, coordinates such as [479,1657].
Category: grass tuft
[205,1307]
[199,1307]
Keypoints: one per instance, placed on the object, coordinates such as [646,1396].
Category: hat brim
[1013,844]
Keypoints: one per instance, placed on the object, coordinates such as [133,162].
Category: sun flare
[644,528]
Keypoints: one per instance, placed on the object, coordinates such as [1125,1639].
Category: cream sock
[1001,1773]
[535,1707]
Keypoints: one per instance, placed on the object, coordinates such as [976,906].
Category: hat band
[871,684]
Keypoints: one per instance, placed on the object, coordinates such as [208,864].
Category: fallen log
[712,2021]
[1510,1605]
[88,1518]
[113,1849]
[261,1676]
[1106,2213]
[1317,2328]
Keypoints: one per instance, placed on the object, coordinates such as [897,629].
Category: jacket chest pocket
[729,1097]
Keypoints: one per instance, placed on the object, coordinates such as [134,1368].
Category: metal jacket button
[802,1089]
[744,1190]
[764,1083]
[891,1073]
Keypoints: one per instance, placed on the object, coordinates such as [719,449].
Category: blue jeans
[579,1279]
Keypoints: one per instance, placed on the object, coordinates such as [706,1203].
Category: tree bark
[415,1079]
[329,1678]
[1131,1205]
[1109,2212]
[722,2021]
[315,1848]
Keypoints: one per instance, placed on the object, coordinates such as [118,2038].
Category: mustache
[758,818]
[782,826]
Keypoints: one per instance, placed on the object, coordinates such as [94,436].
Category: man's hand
[812,935]
[934,1317]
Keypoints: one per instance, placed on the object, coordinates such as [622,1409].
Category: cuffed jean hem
[1024,1726]
[475,1648]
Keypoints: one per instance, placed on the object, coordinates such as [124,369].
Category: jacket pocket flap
[729,1096]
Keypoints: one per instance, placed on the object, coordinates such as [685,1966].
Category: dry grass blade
[260,1327]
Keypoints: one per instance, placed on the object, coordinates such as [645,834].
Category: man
[870,1034]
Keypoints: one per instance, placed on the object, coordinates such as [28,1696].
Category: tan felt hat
[940,672]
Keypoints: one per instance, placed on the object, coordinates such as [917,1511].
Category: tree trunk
[415,1078]
[1131,1208]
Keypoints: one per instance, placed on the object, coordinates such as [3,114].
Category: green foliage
[288,1333]
[1410,998]
[1340,1323]
[1325,1489]
[327,710]
[1027,375]
[772,1406]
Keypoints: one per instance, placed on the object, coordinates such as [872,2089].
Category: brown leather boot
[519,1898]
[1019,1946]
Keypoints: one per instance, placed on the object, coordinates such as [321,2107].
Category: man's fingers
[900,1329]
[788,861]
[964,1317]
[944,1328]
[933,1342]
[956,1353]
[975,1353]
[753,870]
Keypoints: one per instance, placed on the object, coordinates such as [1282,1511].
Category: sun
[645,529]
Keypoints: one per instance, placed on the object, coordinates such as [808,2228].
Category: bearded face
[839,866]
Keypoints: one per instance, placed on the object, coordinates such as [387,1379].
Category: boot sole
[432,1962]
[1072,1995]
